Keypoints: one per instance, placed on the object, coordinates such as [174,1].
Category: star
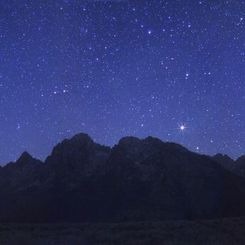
[160,67]
[182,127]
[18,126]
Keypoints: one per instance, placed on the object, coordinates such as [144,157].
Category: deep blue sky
[116,68]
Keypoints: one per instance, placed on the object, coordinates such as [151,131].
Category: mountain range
[135,180]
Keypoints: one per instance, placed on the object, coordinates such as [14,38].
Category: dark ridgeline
[82,181]
[236,166]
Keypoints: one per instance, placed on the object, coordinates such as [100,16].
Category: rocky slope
[236,166]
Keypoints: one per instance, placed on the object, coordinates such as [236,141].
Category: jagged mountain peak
[81,137]
[24,157]
[135,147]
[152,139]
[150,143]
[135,140]
[80,153]
[224,160]
[79,142]
[241,158]
[129,140]
[223,156]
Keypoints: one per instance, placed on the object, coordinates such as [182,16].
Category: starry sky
[170,69]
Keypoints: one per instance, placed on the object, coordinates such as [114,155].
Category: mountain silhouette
[225,161]
[236,166]
[135,180]
[240,166]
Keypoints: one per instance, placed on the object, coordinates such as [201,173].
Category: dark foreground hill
[202,232]
[136,180]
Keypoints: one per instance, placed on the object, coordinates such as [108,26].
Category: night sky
[170,69]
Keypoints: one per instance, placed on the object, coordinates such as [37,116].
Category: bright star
[182,127]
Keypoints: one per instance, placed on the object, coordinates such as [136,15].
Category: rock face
[225,161]
[236,166]
[240,165]
[82,181]
[74,160]
[20,174]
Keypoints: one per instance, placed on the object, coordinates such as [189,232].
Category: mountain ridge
[85,135]
[136,179]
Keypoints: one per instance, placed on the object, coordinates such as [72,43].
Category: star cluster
[170,69]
